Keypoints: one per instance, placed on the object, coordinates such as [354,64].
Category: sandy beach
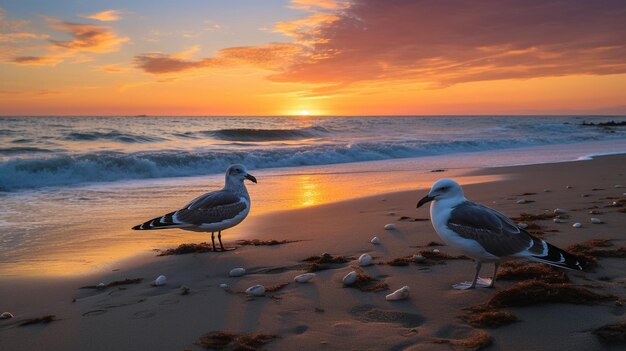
[323,314]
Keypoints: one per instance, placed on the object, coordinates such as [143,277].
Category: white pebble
[101,285]
[237,272]
[577,225]
[390,226]
[596,220]
[6,315]
[559,211]
[375,240]
[303,278]
[399,294]
[223,285]
[391,213]
[436,251]
[256,290]
[568,187]
[160,280]
[419,258]
[365,260]
[522,225]
[594,212]
[522,201]
[558,220]
[350,278]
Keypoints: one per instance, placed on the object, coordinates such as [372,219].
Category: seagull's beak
[424,200]
[251,178]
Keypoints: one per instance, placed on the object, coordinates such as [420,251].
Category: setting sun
[304,113]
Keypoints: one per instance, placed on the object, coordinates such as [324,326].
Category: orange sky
[361,57]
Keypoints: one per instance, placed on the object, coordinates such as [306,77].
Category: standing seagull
[485,234]
[211,212]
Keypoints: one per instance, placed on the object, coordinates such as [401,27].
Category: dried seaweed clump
[477,341]
[588,251]
[235,342]
[527,217]
[483,316]
[324,262]
[183,249]
[276,287]
[45,320]
[532,292]
[257,242]
[366,283]
[440,256]
[115,283]
[401,261]
[612,333]
[525,271]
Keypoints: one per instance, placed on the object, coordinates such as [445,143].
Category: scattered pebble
[160,280]
[365,260]
[303,278]
[391,213]
[419,258]
[596,220]
[594,212]
[399,294]
[101,285]
[618,186]
[559,211]
[184,290]
[522,201]
[436,251]
[256,290]
[375,241]
[350,278]
[223,285]
[6,315]
[558,220]
[577,225]
[522,225]
[568,187]
[237,272]
[383,199]
[390,226]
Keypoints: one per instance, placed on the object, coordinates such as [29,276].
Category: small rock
[303,278]
[6,315]
[223,285]
[349,279]
[522,225]
[383,200]
[101,285]
[568,187]
[184,290]
[596,220]
[391,213]
[326,255]
[375,241]
[522,201]
[577,225]
[256,290]
[559,211]
[419,258]
[160,280]
[237,272]
[390,226]
[365,260]
[436,251]
[558,220]
[399,294]
[594,212]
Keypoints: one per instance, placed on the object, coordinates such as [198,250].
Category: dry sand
[323,314]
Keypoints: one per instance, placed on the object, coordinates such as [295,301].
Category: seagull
[485,234]
[212,212]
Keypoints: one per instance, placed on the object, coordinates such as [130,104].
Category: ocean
[71,187]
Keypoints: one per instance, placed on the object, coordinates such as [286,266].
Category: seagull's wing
[213,207]
[499,236]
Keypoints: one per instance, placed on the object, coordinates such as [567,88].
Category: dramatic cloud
[447,42]
[106,16]
[36,60]
[271,56]
[88,37]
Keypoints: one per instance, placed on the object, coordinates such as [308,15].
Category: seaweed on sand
[235,342]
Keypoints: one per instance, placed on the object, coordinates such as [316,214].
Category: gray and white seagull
[212,212]
[486,235]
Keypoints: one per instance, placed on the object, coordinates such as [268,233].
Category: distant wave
[20,150]
[59,170]
[247,134]
[111,136]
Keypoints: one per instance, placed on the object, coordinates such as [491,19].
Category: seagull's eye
[444,188]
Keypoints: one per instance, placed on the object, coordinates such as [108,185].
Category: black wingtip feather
[554,258]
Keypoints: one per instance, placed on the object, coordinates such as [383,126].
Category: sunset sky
[328,57]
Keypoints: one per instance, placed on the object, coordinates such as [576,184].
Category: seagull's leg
[467,285]
[213,240]
[495,272]
[219,237]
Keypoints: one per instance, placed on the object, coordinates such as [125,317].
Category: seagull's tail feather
[163,222]
[554,256]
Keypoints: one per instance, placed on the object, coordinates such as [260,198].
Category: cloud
[36,60]
[271,56]
[20,36]
[88,37]
[9,24]
[113,68]
[314,5]
[106,16]
[454,41]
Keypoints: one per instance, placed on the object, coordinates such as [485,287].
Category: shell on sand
[303,278]
[365,260]
[256,290]
[375,240]
[223,285]
[101,285]
[160,280]
[522,201]
[390,226]
[436,251]
[350,278]
[596,220]
[559,211]
[399,294]
[6,315]
[577,225]
[237,272]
